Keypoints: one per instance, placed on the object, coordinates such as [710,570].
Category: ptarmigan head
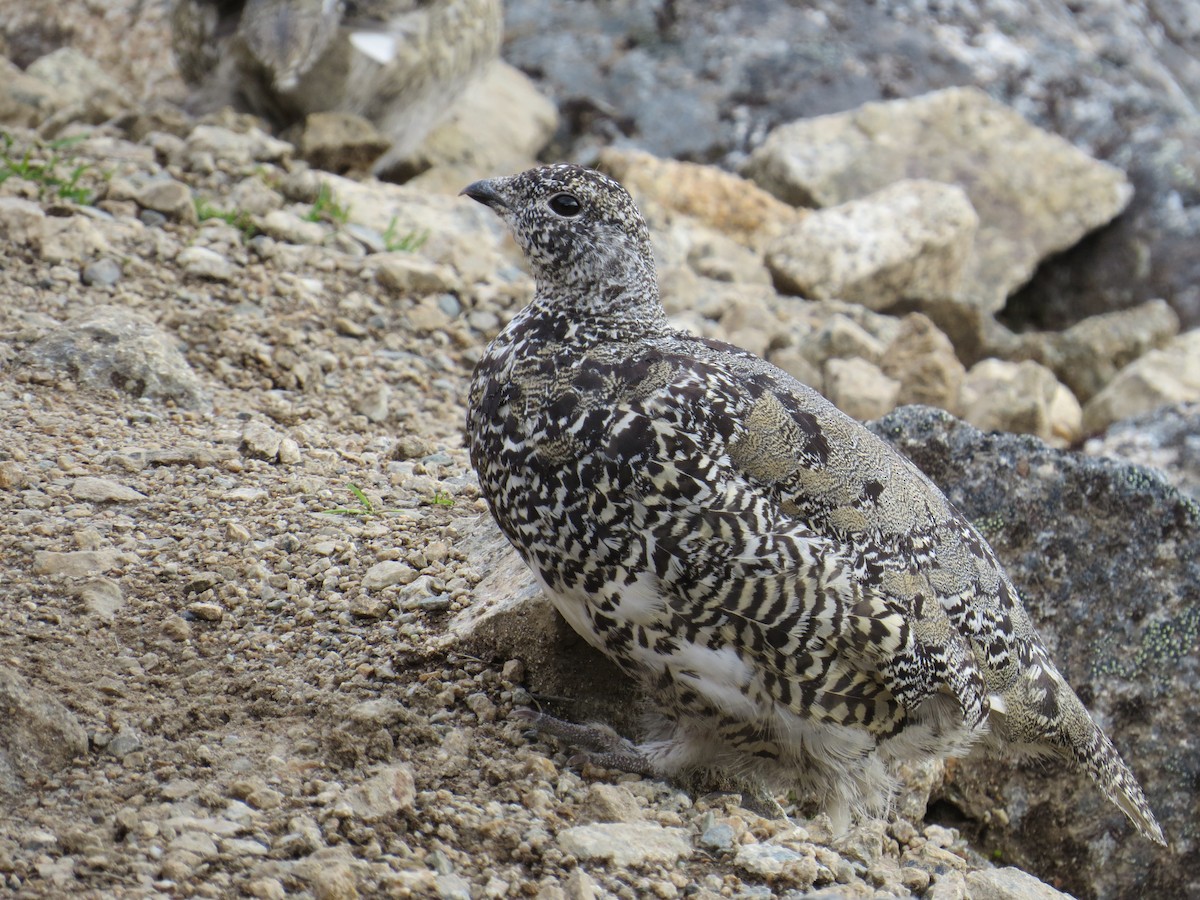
[579,229]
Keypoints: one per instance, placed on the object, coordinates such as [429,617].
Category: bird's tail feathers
[1097,756]
[1040,714]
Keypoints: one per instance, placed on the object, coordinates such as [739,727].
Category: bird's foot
[603,746]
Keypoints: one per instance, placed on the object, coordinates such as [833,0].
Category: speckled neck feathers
[592,262]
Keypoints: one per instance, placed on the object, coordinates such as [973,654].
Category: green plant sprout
[239,219]
[326,208]
[365,509]
[57,177]
[404,242]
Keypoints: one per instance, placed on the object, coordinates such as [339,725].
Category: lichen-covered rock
[1107,558]
[1035,193]
[1167,439]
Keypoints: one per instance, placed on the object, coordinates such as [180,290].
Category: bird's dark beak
[485,192]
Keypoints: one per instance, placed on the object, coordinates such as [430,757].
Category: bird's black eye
[566,205]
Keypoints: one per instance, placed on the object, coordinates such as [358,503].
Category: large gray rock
[706,81]
[1107,557]
[1035,193]
[111,347]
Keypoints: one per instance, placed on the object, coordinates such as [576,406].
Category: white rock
[909,241]
[776,863]
[195,842]
[236,148]
[859,388]
[500,123]
[200,262]
[102,597]
[626,843]
[102,490]
[839,336]
[71,239]
[1009,883]
[285,226]
[387,573]
[1161,377]
[77,79]
[385,794]
[1035,193]
[922,359]
[374,403]
[22,222]
[998,395]
[410,274]
[289,452]
[261,441]
[169,197]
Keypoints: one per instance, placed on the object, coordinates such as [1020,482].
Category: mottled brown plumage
[805,606]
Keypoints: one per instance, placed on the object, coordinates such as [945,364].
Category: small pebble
[103,272]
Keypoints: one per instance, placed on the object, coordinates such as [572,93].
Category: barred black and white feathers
[805,605]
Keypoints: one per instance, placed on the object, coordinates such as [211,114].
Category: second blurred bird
[397,63]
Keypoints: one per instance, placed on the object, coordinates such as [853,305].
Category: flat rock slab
[626,843]
[110,347]
[1035,193]
[103,490]
[1009,883]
